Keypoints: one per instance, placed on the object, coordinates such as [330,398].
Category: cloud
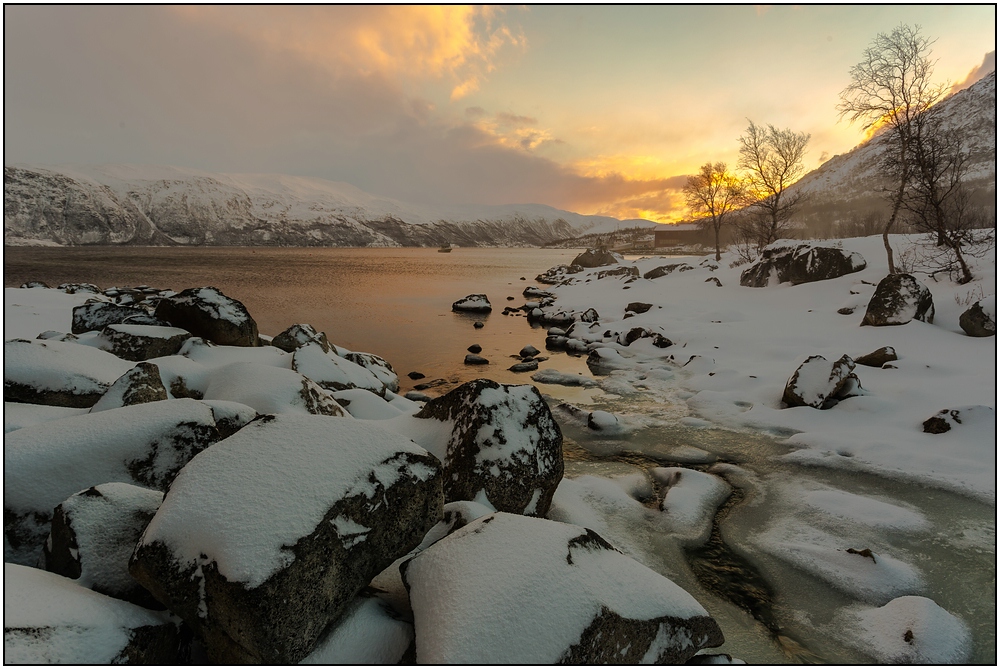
[988,65]
[515,120]
[475,112]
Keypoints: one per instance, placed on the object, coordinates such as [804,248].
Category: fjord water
[397,303]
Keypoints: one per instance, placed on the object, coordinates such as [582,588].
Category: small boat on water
[445,248]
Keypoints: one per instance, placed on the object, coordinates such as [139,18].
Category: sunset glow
[595,109]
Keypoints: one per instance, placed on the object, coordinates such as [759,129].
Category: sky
[594,109]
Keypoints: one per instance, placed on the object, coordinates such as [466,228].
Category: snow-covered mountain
[150,205]
[850,183]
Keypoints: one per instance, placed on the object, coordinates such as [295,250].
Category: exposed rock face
[98,315]
[139,385]
[58,373]
[627,271]
[298,335]
[800,263]
[207,313]
[579,600]
[93,535]
[878,357]
[261,548]
[975,417]
[477,304]
[558,273]
[664,270]
[821,384]
[898,299]
[595,258]
[976,322]
[504,446]
[379,367]
[85,627]
[144,445]
[142,342]
[638,307]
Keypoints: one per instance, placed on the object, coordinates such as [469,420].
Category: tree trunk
[718,253]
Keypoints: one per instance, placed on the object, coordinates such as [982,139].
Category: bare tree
[772,159]
[890,88]
[712,194]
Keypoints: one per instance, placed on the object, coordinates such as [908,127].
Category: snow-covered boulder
[596,258]
[602,421]
[664,270]
[58,373]
[298,335]
[95,316]
[503,446]
[907,630]
[379,367]
[17,414]
[558,273]
[207,313]
[690,499]
[269,390]
[230,417]
[979,320]
[50,619]
[795,263]
[144,444]
[138,385]
[878,357]
[93,535]
[976,417]
[819,383]
[370,632]
[141,342]
[332,372]
[260,548]
[898,299]
[626,338]
[506,589]
[477,303]
[626,271]
[73,288]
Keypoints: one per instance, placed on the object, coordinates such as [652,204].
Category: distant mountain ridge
[154,205]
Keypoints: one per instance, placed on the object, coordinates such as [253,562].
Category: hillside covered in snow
[151,205]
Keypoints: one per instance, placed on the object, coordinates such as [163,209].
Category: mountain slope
[151,205]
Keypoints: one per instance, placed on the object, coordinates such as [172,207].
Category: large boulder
[145,445]
[207,313]
[270,390]
[979,320]
[821,384]
[141,342]
[138,385]
[298,335]
[379,367]
[560,594]
[58,373]
[789,262]
[625,270]
[898,299]
[98,315]
[558,274]
[478,304]
[333,372]
[50,619]
[976,418]
[93,535]
[503,448]
[596,258]
[260,548]
[878,357]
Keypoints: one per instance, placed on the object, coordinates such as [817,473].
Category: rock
[431,384]
[626,271]
[820,384]
[34,284]
[555,377]
[207,313]
[977,322]
[531,291]
[602,421]
[638,307]
[230,417]
[504,448]
[578,600]
[473,359]
[58,373]
[590,316]
[378,367]
[789,262]
[417,396]
[270,390]
[98,315]
[139,385]
[93,535]
[478,325]
[73,288]
[416,375]
[715,280]
[298,335]
[596,258]
[878,357]
[144,445]
[141,342]
[846,311]
[528,351]
[975,417]
[626,338]
[477,303]
[260,548]
[475,348]
[55,335]
[558,274]
[529,366]
[50,619]
[333,372]
[898,299]
[664,270]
